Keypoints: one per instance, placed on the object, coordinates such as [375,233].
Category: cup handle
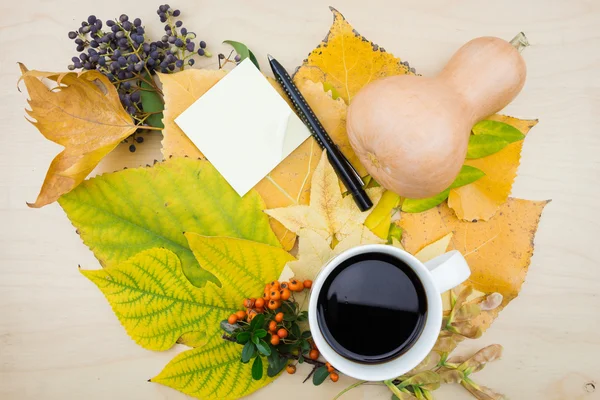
[448,270]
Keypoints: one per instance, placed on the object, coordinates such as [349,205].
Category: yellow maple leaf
[329,214]
[481,199]
[498,251]
[347,61]
[83,114]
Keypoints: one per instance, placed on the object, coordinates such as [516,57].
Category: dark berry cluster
[121,51]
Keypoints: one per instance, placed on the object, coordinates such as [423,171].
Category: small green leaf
[252,58]
[255,339]
[276,364]
[257,322]
[257,369]
[466,176]
[243,52]
[152,103]
[296,331]
[394,233]
[320,375]
[502,130]
[300,359]
[263,347]
[260,333]
[286,348]
[243,337]
[289,317]
[484,145]
[420,205]
[305,346]
[248,352]
[306,335]
[289,308]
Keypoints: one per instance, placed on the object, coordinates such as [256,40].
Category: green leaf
[289,317]
[263,347]
[255,339]
[260,333]
[211,372]
[420,205]
[243,337]
[466,176]
[502,130]
[123,213]
[305,346]
[296,331]
[300,358]
[320,375]
[248,352]
[257,369]
[303,316]
[276,364]
[242,50]
[252,58]
[306,335]
[152,102]
[395,232]
[484,145]
[257,322]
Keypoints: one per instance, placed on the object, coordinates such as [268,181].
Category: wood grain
[58,336]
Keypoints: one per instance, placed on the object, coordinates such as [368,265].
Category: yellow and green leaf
[466,176]
[121,214]
[212,372]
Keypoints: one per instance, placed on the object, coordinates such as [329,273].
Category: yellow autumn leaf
[158,307]
[83,114]
[329,214]
[497,251]
[481,199]
[212,372]
[347,61]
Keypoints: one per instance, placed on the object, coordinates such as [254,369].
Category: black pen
[339,162]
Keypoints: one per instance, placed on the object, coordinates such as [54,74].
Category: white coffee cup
[437,276]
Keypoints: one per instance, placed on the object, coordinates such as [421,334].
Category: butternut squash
[411,132]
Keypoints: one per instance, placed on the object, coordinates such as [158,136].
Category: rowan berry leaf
[248,352]
[243,337]
[260,333]
[257,368]
[263,347]
[320,375]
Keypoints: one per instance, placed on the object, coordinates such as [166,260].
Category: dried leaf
[427,380]
[482,392]
[432,359]
[478,361]
[346,61]
[491,302]
[484,244]
[329,214]
[481,199]
[84,115]
[450,375]
[445,344]
[152,207]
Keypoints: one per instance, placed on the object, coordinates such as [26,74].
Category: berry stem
[520,42]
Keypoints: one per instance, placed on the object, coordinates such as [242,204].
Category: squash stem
[520,42]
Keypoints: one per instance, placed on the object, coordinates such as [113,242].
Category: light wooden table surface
[58,336]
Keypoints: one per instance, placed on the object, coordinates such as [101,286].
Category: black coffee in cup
[372,308]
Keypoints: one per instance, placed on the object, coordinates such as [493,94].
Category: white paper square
[243,126]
